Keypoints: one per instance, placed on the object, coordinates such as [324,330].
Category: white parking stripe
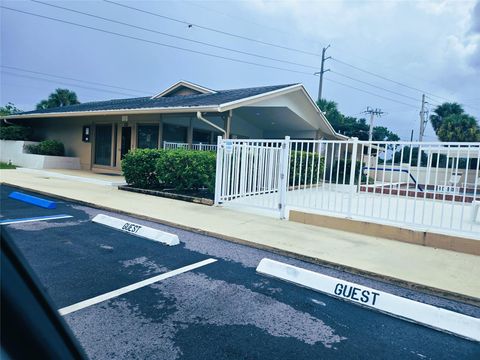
[424,314]
[33,219]
[98,299]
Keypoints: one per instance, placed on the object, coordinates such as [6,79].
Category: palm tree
[61,97]
[442,111]
[459,127]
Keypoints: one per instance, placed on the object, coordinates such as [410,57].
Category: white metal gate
[409,184]
[251,172]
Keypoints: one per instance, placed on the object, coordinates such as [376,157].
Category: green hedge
[298,161]
[47,147]
[341,171]
[187,169]
[15,132]
[139,168]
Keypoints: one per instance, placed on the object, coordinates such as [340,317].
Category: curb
[390,232]
[368,274]
[164,194]
[397,306]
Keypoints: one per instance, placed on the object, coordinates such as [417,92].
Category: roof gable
[183,88]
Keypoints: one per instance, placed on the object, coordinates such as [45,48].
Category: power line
[393,81]
[73,79]
[192,51]
[274,45]
[212,29]
[371,93]
[156,42]
[433,101]
[220,47]
[65,83]
[375,86]
[194,3]
[174,36]
[197,52]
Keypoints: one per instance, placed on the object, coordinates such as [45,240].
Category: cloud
[429,45]
[475,34]
[476,19]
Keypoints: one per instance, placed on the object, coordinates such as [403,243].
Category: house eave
[162,110]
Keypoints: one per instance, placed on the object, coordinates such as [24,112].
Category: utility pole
[322,71]
[411,136]
[373,113]
[423,119]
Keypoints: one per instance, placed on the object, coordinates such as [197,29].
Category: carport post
[283,181]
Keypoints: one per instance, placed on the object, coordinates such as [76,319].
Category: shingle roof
[198,100]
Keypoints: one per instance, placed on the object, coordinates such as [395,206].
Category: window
[174,133]
[103,144]
[147,136]
[201,136]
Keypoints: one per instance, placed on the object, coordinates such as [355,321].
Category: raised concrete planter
[14,152]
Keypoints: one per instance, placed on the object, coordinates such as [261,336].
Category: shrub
[187,170]
[15,132]
[139,168]
[47,147]
[301,159]
[345,170]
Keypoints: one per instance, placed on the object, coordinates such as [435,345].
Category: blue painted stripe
[31,219]
[47,204]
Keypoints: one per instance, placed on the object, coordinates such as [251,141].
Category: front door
[103,145]
[126,141]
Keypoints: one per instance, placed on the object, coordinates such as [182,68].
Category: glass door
[126,141]
[103,145]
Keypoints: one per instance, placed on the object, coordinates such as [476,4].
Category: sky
[384,54]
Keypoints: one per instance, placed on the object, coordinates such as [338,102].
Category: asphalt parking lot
[222,310]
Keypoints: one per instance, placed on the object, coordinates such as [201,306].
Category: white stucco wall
[13,152]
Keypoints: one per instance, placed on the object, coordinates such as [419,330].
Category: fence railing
[199,146]
[249,169]
[419,185]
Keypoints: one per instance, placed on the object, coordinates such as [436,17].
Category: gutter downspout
[201,118]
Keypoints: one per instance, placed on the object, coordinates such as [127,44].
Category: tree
[459,127]
[60,97]
[408,158]
[330,110]
[381,133]
[352,126]
[9,109]
[442,111]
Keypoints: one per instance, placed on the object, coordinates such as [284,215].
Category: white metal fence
[199,146]
[411,184]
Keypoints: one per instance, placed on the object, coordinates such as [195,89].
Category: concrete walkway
[442,270]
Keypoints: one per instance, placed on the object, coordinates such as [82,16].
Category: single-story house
[100,133]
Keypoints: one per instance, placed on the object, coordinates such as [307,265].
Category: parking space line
[417,312]
[98,299]
[33,219]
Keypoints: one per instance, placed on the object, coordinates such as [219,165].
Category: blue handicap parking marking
[34,200]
